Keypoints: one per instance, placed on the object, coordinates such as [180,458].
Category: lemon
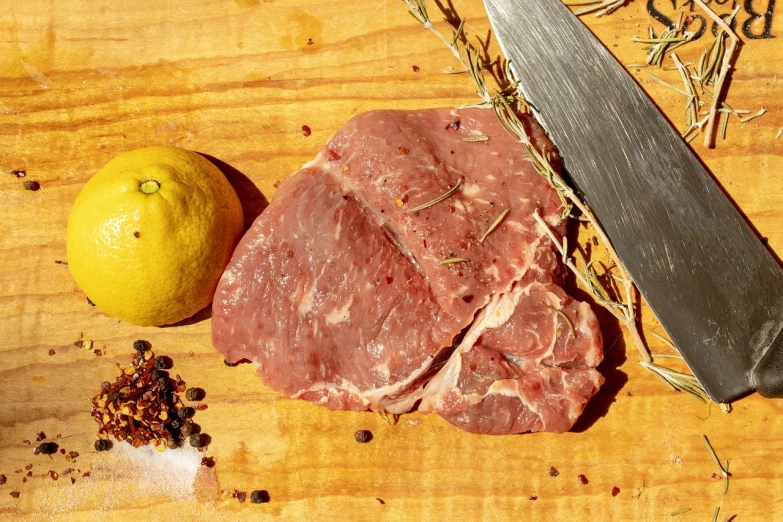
[149,235]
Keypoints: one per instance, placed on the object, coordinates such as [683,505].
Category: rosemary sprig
[667,84]
[440,198]
[667,41]
[723,470]
[728,56]
[565,318]
[746,119]
[599,7]
[453,260]
[677,380]
[680,512]
[494,225]
[482,137]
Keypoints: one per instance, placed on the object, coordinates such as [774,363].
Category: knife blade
[713,286]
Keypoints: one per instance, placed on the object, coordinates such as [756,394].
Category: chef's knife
[716,290]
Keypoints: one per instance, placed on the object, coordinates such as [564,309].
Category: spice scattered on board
[306,131]
[582,480]
[362,436]
[259,496]
[553,472]
[46,448]
[143,405]
[31,185]
[615,491]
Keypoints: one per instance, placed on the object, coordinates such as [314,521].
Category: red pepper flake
[716,476]
[26,442]
[403,151]
[41,436]
[454,125]
[51,351]
[416,68]
[239,495]
[532,497]
[68,471]
[615,491]
[73,480]
[79,344]
[62,451]
[28,467]
[202,407]
[58,435]
[86,474]
[18,470]
[24,479]
[98,352]
[53,474]
[208,462]
[332,155]
[58,262]
[73,454]
[582,480]
[380,500]
[15,494]
[553,472]
[306,131]
[29,473]
[136,234]
[309,41]
[3,479]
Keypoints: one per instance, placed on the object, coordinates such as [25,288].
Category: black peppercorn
[187,429]
[196,440]
[186,412]
[31,185]
[175,424]
[102,445]
[362,436]
[163,385]
[259,496]
[160,363]
[154,375]
[47,448]
[140,345]
[114,396]
[194,394]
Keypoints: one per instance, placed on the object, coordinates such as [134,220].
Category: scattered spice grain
[46,448]
[306,131]
[259,496]
[51,351]
[40,436]
[553,472]
[194,394]
[416,68]
[3,479]
[582,480]
[31,185]
[362,436]
[615,491]
[15,494]
[532,497]
[102,445]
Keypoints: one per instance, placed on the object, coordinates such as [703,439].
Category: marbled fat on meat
[339,296]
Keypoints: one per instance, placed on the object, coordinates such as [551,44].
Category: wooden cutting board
[83,80]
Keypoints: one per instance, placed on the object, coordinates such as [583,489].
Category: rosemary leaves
[440,198]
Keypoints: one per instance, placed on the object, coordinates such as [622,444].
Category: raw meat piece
[339,296]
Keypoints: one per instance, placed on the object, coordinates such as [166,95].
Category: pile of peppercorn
[143,405]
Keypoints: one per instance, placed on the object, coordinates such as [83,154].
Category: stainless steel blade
[716,290]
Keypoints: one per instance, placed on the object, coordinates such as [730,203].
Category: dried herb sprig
[728,57]
[670,39]
[453,260]
[746,119]
[482,137]
[680,512]
[599,7]
[440,198]
[724,471]
[565,318]
[494,225]
[676,381]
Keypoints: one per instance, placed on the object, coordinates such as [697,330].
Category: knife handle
[768,373]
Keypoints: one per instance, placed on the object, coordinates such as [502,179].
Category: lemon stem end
[150,187]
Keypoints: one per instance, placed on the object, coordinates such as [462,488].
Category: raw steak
[340,295]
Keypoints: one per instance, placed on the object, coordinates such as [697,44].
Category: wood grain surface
[83,80]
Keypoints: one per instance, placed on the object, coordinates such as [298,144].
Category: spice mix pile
[143,405]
